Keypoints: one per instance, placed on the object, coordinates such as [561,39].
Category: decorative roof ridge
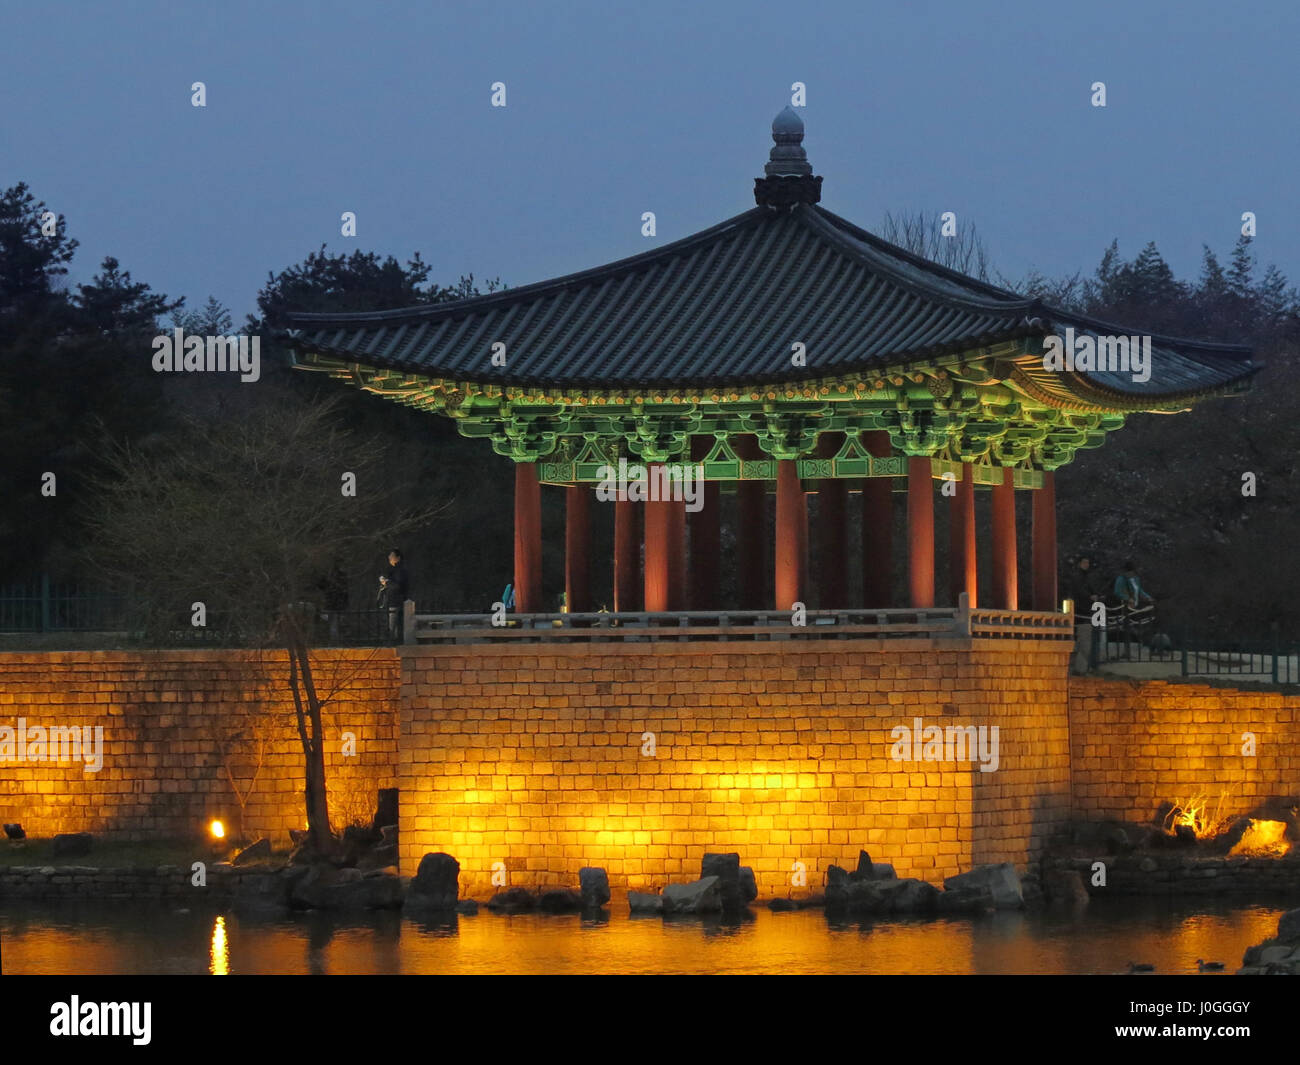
[876,260]
[879,244]
[1033,306]
[450,308]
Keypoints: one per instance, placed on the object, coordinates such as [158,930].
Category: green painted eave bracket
[962,409]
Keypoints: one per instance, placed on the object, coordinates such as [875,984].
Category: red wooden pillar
[658,542]
[528,539]
[877,528]
[961,543]
[627,555]
[832,498]
[678,594]
[1044,546]
[1005,592]
[920,531]
[577,548]
[706,536]
[791,536]
[751,532]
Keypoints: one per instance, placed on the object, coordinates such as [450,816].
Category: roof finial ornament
[788,175]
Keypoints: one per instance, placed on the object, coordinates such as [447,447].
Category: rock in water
[253,852]
[326,888]
[1000,881]
[965,900]
[559,900]
[726,867]
[869,870]
[702,896]
[913,896]
[639,902]
[1288,927]
[263,896]
[1066,885]
[594,883]
[436,885]
[512,900]
[748,885]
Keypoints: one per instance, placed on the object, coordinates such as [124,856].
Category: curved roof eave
[921,311]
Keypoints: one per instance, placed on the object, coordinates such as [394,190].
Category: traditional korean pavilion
[783,346]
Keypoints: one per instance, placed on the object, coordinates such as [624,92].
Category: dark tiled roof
[725,306]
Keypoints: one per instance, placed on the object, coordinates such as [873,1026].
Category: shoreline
[1133,875]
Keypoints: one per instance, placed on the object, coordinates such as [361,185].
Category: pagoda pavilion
[787,347]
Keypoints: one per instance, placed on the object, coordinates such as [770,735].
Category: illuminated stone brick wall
[531,756]
[1135,745]
[168,715]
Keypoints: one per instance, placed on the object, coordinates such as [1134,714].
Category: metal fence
[45,605]
[1258,658]
[330,628]
[42,605]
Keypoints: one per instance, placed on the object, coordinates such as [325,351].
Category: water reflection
[220,965]
[1101,938]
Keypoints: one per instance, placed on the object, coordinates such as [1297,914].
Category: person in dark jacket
[394,589]
[1083,585]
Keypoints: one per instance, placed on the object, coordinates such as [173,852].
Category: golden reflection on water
[220,964]
[1102,938]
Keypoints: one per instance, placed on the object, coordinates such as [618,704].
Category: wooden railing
[890,623]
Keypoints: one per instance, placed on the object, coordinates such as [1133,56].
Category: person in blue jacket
[1128,587]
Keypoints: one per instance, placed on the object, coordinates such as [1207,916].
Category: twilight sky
[384,109]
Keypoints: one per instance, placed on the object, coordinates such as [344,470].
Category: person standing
[1082,586]
[394,588]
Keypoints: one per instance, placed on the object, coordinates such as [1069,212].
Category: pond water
[1101,938]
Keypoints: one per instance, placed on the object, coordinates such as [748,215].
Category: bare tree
[923,235]
[229,527]
[237,734]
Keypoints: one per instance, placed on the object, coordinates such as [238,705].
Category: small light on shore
[218,830]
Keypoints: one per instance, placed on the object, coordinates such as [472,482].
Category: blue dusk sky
[611,110]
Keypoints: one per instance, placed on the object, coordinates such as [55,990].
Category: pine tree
[1243,266]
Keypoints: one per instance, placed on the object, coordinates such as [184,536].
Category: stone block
[436,885]
[594,885]
[1000,881]
[701,896]
[726,869]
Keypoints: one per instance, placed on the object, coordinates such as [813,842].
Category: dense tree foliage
[1168,491]
[69,361]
